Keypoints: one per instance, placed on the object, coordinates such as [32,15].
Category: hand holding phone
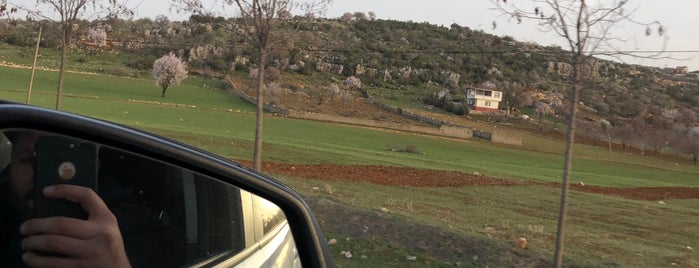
[62,160]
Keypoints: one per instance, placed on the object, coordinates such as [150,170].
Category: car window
[167,216]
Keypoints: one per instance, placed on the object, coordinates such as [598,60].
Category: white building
[482,99]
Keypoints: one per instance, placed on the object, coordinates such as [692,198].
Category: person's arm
[95,242]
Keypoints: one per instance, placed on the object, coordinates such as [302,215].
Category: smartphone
[62,160]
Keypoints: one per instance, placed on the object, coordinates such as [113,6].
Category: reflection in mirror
[166,216]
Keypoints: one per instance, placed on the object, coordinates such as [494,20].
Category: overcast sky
[679,17]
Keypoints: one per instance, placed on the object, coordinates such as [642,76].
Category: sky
[678,17]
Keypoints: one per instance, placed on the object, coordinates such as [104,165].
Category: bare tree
[541,109]
[67,13]
[372,15]
[608,130]
[168,71]
[587,32]
[259,21]
[272,74]
[333,90]
[686,143]
[4,10]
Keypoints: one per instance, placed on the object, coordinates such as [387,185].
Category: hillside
[404,64]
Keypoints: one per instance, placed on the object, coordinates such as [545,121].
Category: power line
[498,51]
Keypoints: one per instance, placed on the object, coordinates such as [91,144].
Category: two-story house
[482,99]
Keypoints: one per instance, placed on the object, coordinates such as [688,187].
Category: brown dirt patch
[404,176]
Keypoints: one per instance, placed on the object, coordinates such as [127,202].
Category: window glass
[167,216]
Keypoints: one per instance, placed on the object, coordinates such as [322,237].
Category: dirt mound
[404,176]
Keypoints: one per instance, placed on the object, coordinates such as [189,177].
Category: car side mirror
[176,205]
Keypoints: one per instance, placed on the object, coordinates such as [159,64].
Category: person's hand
[95,242]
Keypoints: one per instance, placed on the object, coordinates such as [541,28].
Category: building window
[487,104]
[496,95]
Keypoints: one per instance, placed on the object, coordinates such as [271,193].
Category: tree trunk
[568,164]
[36,55]
[162,95]
[257,157]
[62,70]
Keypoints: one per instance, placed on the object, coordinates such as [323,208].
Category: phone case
[63,160]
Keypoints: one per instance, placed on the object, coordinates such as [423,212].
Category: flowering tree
[168,71]
[347,17]
[253,73]
[97,36]
[353,82]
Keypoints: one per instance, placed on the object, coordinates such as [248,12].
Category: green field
[604,231]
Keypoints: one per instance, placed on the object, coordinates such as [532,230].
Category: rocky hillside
[409,59]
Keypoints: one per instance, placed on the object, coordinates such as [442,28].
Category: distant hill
[411,61]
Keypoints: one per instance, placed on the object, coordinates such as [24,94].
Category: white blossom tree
[347,17]
[353,82]
[169,71]
[97,36]
[333,90]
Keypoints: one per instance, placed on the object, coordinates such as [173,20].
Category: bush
[460,110]
[141,62]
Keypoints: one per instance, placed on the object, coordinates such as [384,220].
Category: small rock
[316,189]
[475,257]
[477,174]
[580,183]
[384,210]
[690,248]
[293,168]
[521,243]
[348,254]
[411,258]
[332,242]
[363,257]
[661,202]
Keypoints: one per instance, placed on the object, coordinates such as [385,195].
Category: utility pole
[36,55]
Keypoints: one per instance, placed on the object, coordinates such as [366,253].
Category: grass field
[604,231]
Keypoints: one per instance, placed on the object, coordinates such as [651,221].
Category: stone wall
[497,137]
[447,131]
[406,114]
[271,108]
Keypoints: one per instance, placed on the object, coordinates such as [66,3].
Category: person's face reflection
[22,171]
